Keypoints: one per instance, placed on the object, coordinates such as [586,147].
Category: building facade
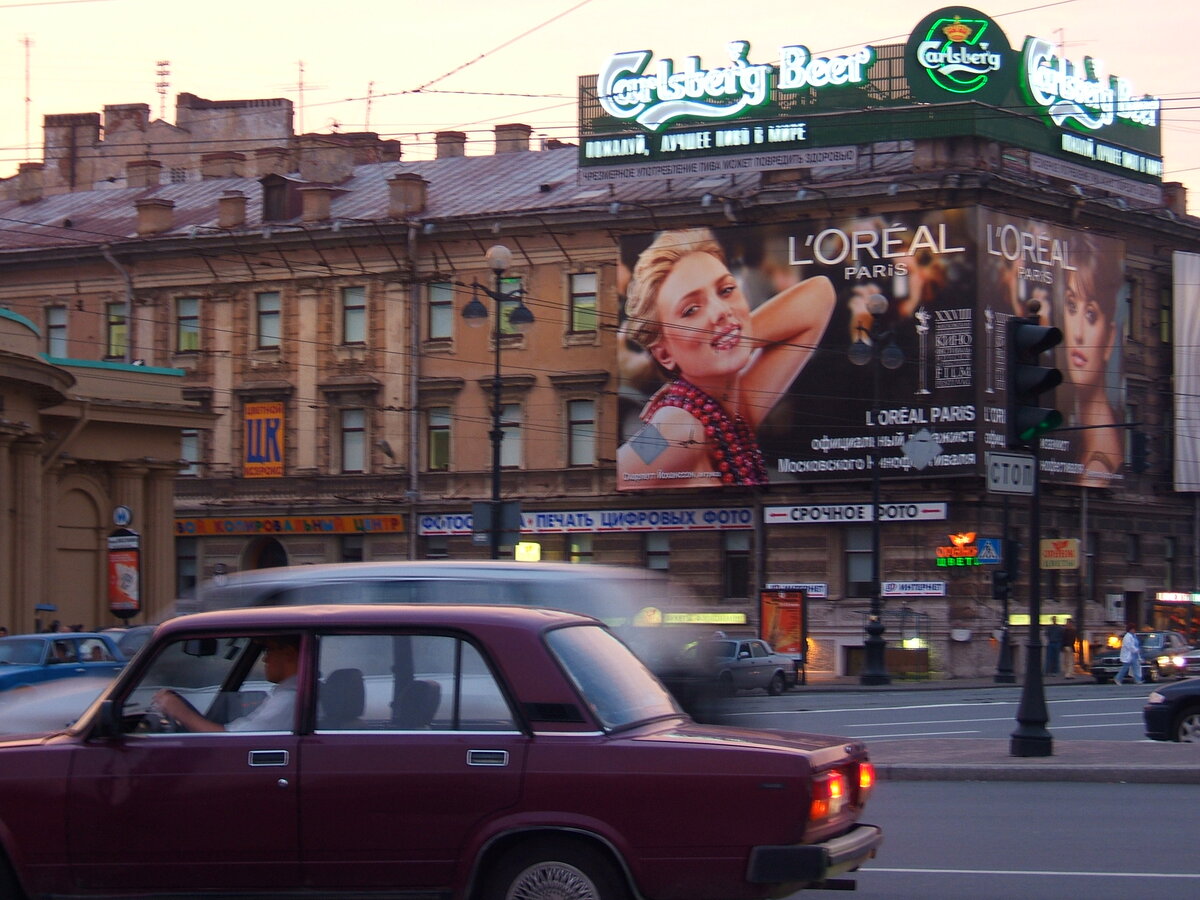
[317,315]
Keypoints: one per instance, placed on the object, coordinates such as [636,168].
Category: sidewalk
[967,759]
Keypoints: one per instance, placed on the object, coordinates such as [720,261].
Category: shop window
[658,552]
[736,569]
[351,548]
[437,546]
[185,566]
[579,548]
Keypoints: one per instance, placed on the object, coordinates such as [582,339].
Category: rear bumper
[814,863]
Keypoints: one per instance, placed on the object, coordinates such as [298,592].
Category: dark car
[464,752]
[1189,663]
[740,664]
[1172,712]
[27,659]
[1161,652]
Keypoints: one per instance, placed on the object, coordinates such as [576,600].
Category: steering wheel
[156,720]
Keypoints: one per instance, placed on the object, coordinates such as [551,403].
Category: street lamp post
[499,258]
[878,348]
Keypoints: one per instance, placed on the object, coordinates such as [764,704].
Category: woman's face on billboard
[705,319]
[1087,337]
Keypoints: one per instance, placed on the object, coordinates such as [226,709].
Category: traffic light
[1028,378]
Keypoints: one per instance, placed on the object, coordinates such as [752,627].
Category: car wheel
[555,870]
[1101,679]
[1152,674]
[777,685]
[1187,726]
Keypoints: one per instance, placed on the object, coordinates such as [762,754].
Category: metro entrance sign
[1010,473]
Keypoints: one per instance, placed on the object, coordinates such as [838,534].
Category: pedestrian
[1131,655]
[1054,645]
[1070,636]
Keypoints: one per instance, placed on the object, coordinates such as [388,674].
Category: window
[583,302]
[417,682]
[510,435]
[511,287]
[185,566]
[579,548]
[1166,305]
[56,331]
[441,311]
[353,428]
[1170,563]
[581,432]
[269,310]
[859,580]
[116,331]
[351,547]
[736,571]
[438,431]
[187,324]
[1133,548]
[354,315]
[189,451]
[437,546]
[658,552]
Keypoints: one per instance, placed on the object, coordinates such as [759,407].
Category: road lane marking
[1027,872]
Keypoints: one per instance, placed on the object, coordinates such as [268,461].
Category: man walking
[1131,656]
[1054,644]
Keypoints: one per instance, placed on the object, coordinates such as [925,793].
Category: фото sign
[643,117]
[701,407]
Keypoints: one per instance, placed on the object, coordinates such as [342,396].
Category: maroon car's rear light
[866,781]
[830,792]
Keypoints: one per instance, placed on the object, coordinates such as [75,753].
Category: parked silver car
[742,664]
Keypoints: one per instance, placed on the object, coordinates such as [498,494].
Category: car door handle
[487,757]
[269,757]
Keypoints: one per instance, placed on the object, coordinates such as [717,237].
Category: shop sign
[961,551]
[912,589]
[1060,553]
[853,513]
[288,525]
[1176,597]
[263,440]
[814,590]
[601,521]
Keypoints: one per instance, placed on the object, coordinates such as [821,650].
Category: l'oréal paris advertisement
[816,350]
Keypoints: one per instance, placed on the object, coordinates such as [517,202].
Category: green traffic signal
[1026,419]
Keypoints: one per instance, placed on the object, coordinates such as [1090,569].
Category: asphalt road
[1083,711]
[997,841]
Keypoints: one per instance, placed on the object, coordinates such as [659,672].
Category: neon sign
[669,92]
[956,56]
[962,550]
[1068,96]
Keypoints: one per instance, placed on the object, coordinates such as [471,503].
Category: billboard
[1186,337]
[751,356]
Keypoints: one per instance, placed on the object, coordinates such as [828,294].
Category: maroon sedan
[451,751]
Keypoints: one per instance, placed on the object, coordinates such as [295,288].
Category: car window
[222,678]
[21,651]
[94,650]
[64,651]
[1152,641]
[758,650]
[615,684]
[407,682]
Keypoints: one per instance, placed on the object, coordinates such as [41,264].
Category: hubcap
[1189,728]
[552,881]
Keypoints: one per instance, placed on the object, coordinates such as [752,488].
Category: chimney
[30,182]
[512,138]
[407,192]
[222,164]
[231,210]
[317,199]
[153,215]
[271,161]
[450,144]
[325,158]
[1174,196]
[141,173]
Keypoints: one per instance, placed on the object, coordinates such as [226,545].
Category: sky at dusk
[408,69]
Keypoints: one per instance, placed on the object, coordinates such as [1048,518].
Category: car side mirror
[200,647]
[745,654]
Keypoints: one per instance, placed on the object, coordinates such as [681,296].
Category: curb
[1036,772]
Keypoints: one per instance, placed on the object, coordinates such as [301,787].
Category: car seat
[341,699]
[416,704]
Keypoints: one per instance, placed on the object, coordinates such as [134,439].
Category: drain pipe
[128,279]
[414,416]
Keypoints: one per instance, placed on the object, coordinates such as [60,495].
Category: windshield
[1151,641]
[21,651]
[617,686]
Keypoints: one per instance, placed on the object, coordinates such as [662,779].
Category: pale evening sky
[485,63]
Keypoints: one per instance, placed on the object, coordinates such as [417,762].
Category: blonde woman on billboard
[1089,325]
[727,365]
